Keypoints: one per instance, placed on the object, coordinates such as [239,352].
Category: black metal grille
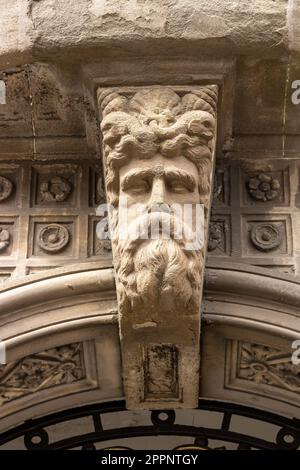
[35,433]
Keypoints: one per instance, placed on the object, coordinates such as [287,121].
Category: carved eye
[178,187]
[138,187]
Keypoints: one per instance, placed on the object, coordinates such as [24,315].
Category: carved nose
[158,192]
[160,208]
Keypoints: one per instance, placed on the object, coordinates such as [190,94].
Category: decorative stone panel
[221,188]
[57,372]
[48,218]
[8,236]
[267,235]
[267,186]
[55,184]
[261,369]
[58,366]
[53,237]
[10,176]
[262,207]
[97,247]
[219,242]
[97,187]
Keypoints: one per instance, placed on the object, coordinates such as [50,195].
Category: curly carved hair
[158,120]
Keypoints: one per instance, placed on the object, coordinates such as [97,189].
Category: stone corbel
[158,149]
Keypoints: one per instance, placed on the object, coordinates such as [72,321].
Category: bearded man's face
[159,181]
[158,274]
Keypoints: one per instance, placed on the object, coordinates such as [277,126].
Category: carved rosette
[57,189]
[53,238]
[264,187]
[266,236]
[6,188]
[158,146]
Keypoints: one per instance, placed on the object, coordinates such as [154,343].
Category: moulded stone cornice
[56,307]
[254,286]
[31,29]
[61,286]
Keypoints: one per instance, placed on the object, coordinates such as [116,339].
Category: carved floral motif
[265,365]
[4,239]
[57,366]
[57,189]
[217,188]
[264,187]
[6,187]
[100,190]
[215,235]
[266,236]
[102,247]
[53,238]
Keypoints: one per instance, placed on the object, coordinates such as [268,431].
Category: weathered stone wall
[50,121]
[51,180]
[46,28]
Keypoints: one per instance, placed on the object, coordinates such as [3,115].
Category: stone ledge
[77,30]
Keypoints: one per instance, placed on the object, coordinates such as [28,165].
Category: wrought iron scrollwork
[163,423]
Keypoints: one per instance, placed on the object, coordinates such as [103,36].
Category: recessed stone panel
[264,185]
[10,187]
[51,237]
[9,235]
[261,369]
[57,372]
[266,236]
[97,190]
[221,188]
[161,371]
[219,242]
[5,275]
[55,185]
[98,246]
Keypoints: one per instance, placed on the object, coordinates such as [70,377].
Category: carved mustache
[158,223]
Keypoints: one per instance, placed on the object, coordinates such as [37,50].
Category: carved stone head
[158,123]
[158,146]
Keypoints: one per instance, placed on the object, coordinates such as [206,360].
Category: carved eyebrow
[183,177]
[135,175]
[180,176]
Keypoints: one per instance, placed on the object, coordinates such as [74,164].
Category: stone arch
[249,317]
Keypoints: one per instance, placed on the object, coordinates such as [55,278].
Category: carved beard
[158,275]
